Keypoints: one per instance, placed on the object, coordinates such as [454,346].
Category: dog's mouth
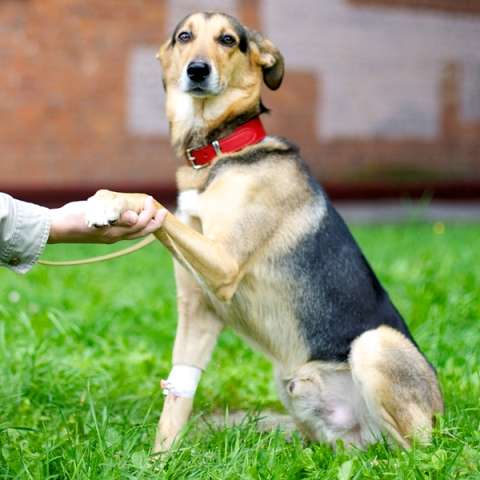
[197,91]
[203,90]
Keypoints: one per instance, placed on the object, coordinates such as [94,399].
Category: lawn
[82,351]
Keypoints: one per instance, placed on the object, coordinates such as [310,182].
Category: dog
[258,247]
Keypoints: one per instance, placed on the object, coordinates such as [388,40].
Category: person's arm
[68,224]
[25,228]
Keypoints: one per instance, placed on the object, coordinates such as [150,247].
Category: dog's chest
[257,310]
[188,204]
[263,317]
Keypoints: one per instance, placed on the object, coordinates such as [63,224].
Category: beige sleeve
[24,231]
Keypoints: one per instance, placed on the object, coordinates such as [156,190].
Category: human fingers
[131,223]
[152,226]
[115,233]
[145,216]
[127,219]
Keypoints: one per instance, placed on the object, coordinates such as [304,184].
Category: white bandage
[182,381]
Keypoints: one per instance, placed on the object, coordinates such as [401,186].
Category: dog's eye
[227,40]
[184,37]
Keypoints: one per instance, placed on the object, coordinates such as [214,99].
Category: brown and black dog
[258,247]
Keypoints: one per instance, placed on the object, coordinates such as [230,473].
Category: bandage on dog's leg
[197,332]
[179,390]
[182,381]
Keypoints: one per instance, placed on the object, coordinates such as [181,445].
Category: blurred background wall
[383,96]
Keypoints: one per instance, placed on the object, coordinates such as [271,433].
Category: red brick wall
[63,88]
[64,104]
[453,6]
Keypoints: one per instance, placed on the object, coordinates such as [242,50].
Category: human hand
[68,224]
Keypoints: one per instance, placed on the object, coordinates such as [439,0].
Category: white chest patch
[184,109]
[180,110]
[189,203]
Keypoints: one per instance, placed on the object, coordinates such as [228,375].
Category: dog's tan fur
[386,380]
[239,76]
[223,246]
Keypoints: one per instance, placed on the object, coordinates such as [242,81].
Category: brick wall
[379,99]
[450,6]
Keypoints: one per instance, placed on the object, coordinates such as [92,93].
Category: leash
[102,258]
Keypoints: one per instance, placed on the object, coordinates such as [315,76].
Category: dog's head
[215,60]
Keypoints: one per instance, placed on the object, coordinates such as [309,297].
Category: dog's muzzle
[200,79]
[198,71]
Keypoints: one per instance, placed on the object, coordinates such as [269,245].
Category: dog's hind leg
[197,332]
[399,387]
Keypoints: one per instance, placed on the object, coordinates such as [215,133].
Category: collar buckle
[216,147]
[193,161]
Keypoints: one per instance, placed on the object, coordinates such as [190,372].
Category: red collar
[246,134]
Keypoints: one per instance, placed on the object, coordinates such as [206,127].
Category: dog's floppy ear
[164,53]
[269,58]
[163,56]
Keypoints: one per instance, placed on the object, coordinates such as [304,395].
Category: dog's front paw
[103,209]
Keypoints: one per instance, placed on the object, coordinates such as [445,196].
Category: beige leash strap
[102,258]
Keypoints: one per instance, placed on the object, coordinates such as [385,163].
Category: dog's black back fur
[340,296]
[337,295]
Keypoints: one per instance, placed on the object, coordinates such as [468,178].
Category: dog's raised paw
[101,211]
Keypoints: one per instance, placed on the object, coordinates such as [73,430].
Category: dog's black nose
[198,71]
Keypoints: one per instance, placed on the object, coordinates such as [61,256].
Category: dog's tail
[102,258]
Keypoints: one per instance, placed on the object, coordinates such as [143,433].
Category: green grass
[82,351]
